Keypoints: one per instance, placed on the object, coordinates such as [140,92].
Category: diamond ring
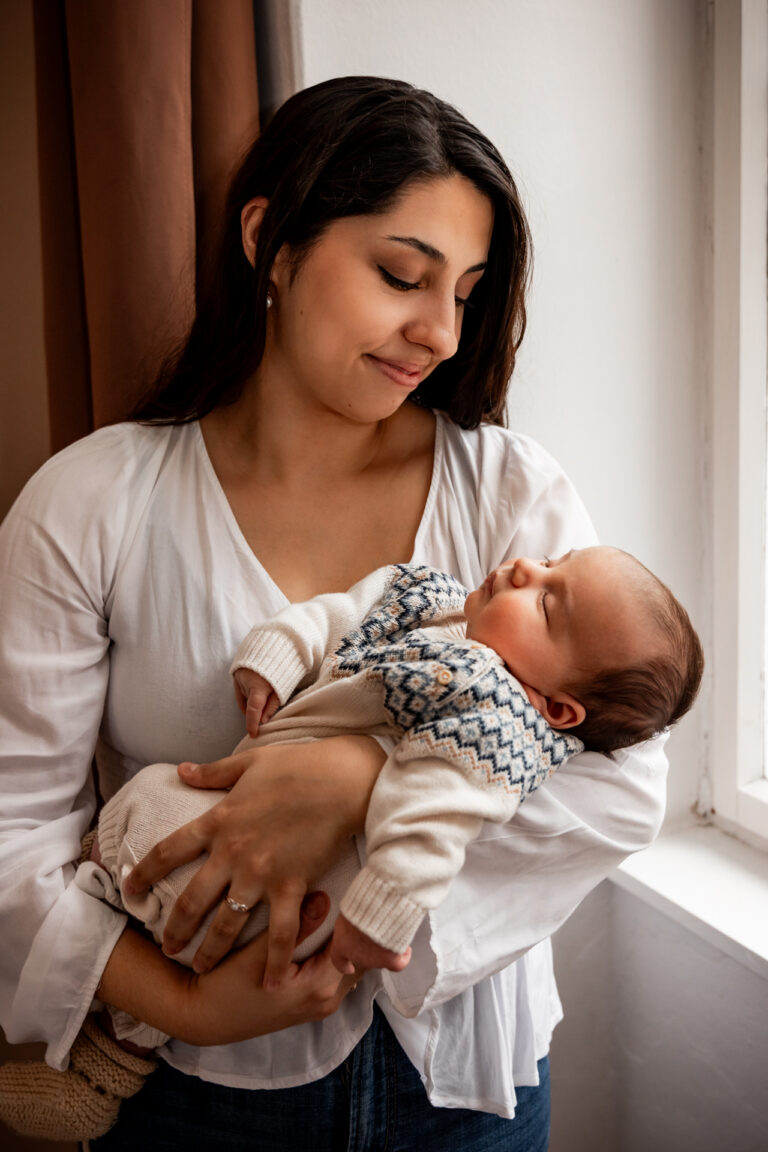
[236,906]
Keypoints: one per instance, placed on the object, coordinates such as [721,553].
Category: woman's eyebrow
[430,251]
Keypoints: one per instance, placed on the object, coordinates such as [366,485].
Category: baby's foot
[81,1103]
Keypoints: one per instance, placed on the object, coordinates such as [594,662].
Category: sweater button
[443,676]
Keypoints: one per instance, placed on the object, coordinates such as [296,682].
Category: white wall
[663,1048]
[598,107]
[594,106]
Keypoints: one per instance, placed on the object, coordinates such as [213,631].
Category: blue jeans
[373,1102]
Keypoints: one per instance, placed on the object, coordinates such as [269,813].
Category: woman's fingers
[312,991]
[222,934]
[278,827]
[207,888]
[224,928]
[218,774]
[194,838]
[228,924]
[183,845]
[284,920]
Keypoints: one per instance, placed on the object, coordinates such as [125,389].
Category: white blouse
[125,589]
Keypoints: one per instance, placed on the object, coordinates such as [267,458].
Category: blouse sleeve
[522,880]
[58,548]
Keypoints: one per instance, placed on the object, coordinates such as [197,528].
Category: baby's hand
[351,950]
[255,698]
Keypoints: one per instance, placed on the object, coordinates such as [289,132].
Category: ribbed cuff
[379,910]
[111,831]
[273,657]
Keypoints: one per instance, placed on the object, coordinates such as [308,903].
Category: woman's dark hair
[350,147]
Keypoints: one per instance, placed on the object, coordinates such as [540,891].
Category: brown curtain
[144,107]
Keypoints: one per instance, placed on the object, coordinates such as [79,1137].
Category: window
[739,144]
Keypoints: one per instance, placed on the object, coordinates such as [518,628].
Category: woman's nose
[435,325]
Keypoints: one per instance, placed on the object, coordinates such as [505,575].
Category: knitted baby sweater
[390,657]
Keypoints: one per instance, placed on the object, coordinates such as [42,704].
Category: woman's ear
[560,710]
[250,222]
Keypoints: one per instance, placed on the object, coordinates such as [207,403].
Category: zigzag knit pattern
[415,596]
[390,647]
[494,731]
[448,699]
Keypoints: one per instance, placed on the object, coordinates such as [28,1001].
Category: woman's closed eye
[396,282]
[410,285]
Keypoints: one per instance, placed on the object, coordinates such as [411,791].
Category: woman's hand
[230,1003]
[290,810]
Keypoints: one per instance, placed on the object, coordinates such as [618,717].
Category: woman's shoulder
[110,448]
[499,493]
[492,452]
[118,452]
[90,481]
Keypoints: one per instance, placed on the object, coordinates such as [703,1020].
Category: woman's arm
[521,881]
[61,550]
[290,809]
[228,1004]
[57,548]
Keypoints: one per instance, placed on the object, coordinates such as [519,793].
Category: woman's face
[378,301]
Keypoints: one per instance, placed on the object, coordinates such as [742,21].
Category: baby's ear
[561,710]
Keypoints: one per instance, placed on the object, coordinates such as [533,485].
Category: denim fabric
[374,1102]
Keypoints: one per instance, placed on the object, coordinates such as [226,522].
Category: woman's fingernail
[188,766]
[171,948]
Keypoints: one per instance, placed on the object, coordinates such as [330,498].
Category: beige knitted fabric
[152,805]
[79,1104]
[86,844]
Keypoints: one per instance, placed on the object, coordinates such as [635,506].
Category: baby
[591,643]
[484,695]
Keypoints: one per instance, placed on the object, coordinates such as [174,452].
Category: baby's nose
[524,571]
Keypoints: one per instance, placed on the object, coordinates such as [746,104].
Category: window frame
[739,800]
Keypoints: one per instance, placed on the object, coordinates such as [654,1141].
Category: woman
[334,409]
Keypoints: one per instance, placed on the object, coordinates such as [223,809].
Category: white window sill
[710,883]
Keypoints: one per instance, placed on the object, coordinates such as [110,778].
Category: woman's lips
[407,374]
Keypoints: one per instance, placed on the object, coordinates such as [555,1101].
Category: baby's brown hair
[627,705]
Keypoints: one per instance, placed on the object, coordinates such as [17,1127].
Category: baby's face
[553,621]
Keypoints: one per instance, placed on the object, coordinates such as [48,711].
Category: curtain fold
[144,107]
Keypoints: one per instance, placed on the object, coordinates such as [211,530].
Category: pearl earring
[269,300]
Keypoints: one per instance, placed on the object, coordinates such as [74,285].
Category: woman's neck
[289,442]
